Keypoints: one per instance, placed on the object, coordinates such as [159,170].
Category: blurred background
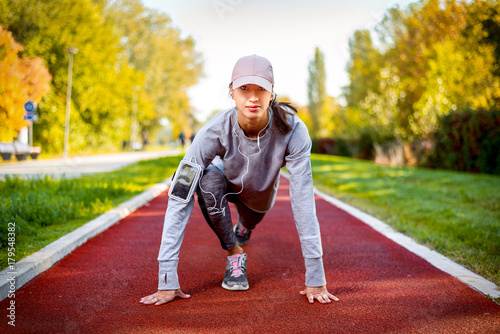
[412,83]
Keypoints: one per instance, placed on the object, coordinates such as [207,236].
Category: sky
[284,31]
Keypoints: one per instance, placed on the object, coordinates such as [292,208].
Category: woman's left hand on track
[320,293]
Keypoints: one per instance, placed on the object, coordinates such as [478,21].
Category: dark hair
[280,112]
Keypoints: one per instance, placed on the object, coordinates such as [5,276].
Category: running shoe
[236,273]
[242,234]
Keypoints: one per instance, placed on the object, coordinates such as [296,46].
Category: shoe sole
[236,287]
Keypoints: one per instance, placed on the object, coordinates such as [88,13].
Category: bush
[360,148]
[467,141]
[365,147]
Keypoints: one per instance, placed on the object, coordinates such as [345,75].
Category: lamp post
[71,51]
[133,118]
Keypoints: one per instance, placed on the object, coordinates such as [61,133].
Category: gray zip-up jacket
[252,167]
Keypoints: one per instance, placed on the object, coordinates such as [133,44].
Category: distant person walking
[241,151]
[182,139]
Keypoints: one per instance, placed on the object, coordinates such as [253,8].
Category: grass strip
[454,213]
[45,209]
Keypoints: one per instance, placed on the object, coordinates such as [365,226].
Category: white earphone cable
[221,209]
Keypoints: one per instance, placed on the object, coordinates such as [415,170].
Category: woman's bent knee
[213,181]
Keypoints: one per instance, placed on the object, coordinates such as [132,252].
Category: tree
[316,91]
[383,108]
[459,61]
[21,80]
[102,82]
[481,37]
[413,43]
[436,58]
[169,63]
[131,64]
[363,68]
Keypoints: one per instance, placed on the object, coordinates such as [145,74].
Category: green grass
[44,209]
[456,214]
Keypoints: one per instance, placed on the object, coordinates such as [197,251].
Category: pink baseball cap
[253,70]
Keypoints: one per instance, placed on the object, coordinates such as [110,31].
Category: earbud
[273,97]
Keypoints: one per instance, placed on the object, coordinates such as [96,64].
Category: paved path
[79,165]
[383,288]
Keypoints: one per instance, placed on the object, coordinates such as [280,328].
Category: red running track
[383,288]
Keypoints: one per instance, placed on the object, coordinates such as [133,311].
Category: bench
[6,150]
[35,152]
[20,150]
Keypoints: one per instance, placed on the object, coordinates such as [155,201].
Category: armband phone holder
[185,181]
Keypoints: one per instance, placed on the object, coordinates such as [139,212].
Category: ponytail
[281,110]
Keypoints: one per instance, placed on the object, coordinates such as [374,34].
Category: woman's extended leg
[247,221]
[247,217]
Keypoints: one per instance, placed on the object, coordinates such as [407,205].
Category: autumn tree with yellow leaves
[434,58]
[22,79]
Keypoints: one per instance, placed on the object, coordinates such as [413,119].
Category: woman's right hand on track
[163,296]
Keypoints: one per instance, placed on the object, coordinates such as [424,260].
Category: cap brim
[255,80]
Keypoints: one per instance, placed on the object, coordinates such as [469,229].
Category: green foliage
[457,214]
[316,91]
[468,141]
[323,116]
[169,63]
[363,68]
[383,108]
[364,73]
[44,209]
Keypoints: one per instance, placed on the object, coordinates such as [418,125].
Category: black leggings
[218,217]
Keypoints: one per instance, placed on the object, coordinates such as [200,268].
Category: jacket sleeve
[202,151]
[174,225]
[298,164]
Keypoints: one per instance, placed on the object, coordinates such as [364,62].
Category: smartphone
[185,181]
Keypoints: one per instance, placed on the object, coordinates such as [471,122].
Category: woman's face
[251,101]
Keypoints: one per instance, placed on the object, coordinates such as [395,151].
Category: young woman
[241,151]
